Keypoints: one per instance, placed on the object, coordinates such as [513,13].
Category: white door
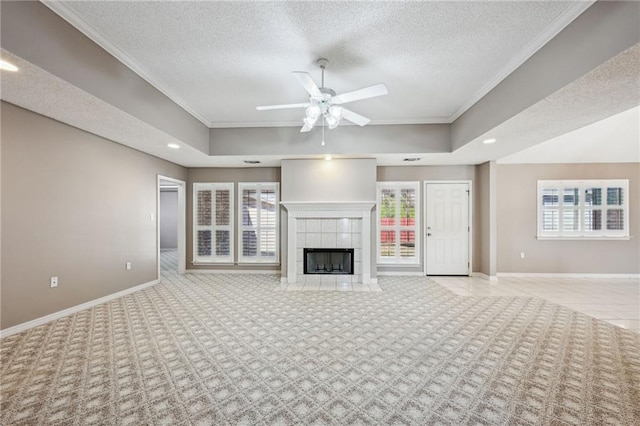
[447,228]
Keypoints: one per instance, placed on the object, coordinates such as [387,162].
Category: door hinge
[468,229]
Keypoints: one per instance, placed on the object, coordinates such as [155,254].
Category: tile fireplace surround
[329,225]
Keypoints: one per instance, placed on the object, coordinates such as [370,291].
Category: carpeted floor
[228,349]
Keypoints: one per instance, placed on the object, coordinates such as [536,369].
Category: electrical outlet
[521,255]
[54,282]
[128,266]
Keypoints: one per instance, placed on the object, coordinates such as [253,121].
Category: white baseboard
[234,271]
[563,275]
[400,274]
[72,310]
[484,276]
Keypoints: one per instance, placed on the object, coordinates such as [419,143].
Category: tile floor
[614,300]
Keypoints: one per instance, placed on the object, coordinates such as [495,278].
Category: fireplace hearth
[328,261]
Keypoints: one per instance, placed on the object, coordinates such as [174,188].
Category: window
[258,209]
[212,223]
[398,222]
[583,209]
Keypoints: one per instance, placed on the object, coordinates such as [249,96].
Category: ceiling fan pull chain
[323,130]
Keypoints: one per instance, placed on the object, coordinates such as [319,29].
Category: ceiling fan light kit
[324,103]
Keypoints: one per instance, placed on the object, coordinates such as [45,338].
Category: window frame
[582,207]
[213,258]
[397,260]
[258,186]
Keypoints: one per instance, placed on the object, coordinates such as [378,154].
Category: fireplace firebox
[332,261]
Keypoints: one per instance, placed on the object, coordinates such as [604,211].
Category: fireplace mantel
[328,206]
[297,210]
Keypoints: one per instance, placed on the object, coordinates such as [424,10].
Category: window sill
[603,238]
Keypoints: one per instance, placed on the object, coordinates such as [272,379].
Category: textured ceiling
[221,59]
[239,70]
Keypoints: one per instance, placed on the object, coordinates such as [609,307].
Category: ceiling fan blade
[285,106]
[306,128]
[354,118]
[356,95]
[307,82]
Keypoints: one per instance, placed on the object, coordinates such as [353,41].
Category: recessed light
[7,66]
[487,141]
[412,159]
[173,146]
[328,157]
[252,161]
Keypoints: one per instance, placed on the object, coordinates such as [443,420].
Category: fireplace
[328,261]
[333,226]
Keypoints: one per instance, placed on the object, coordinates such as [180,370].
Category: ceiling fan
[324,103]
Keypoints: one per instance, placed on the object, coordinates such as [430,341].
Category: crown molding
[298,123]
[68,14]
[552,30]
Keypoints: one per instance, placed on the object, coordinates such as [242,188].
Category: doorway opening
[171,213]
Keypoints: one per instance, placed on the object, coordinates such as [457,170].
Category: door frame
[182,222]
[469,183]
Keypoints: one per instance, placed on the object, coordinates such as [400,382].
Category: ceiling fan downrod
[322,63]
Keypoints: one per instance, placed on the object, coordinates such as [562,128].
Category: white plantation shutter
[258,217]
[583,209]
[398,222]
[212,223]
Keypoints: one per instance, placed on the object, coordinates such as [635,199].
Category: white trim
[181,186]
[604,238]
[258,259]
[469,218]
[213,227]
[400,274]
[68,14]
[582,208]
[351,207]
[235,271]
[484,276]
[298,123]
[552,30]
[397,186]
[72,310]
[563,275]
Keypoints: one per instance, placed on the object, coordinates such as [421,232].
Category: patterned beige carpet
[228,349]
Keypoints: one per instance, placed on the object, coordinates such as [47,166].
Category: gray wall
[516,216]
[34,32]
[75,206]
[604,30]
[168,219]
[482,247]
[257,174]
[336,180]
